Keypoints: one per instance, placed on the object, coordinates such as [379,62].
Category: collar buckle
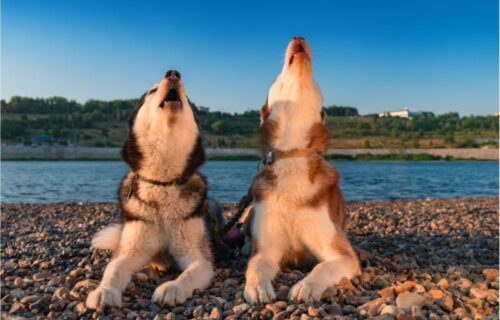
[269,157]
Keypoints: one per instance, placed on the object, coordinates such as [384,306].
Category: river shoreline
[436,252]
[47,152]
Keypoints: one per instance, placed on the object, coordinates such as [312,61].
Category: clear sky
[432,55]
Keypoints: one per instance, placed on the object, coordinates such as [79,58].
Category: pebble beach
[421,259]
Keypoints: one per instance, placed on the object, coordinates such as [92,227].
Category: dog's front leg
[137,247]
[191,250]
[269,240]
[331,246]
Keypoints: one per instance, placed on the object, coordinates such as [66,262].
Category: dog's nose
[298,38]
[173,74]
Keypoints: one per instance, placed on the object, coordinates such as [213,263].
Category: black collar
[177,181]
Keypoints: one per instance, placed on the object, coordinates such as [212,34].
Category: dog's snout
[173,75]
[298,38]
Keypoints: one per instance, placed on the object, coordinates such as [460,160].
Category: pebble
[42,275]
[446,303]
[453,267]
[436,293]
[215,314]
[241,308]
[443,283]
[389,309]
[490,274]
[141,276]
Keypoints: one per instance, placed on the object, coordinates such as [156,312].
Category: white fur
[282,224]
[108,238]
[164,226]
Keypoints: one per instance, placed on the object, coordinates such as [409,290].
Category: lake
[97,181]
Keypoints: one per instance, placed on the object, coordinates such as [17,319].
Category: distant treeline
[95,119]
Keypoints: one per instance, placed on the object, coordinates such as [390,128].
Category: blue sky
[428,55]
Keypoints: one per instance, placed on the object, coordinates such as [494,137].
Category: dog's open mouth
[299,49]
[172,98]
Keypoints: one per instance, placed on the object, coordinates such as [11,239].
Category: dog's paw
[306,291]
[262,292]
[101,297]
[171,293]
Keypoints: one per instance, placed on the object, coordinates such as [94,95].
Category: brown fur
[264,112]
[263,182]
[341,244]
[267,133]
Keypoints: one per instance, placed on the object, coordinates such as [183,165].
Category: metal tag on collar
[130,186]
[269,157]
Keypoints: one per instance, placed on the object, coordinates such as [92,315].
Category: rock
[17,307]
[41,276]
[313,312]
[418,288]
[446,303]
[480,293]
[406,286]
[141,276]
[380,282]
[241,308]
[436,293]
[30,299]
[215,314]
[60,293]
[178,310]
[231,283]
[18,281]
[282,293]
[349,310]
[333,309]
[389,309]
[277,306]
[18,293]
[406,300]
[304,317]
[386,293]
[490,274]
[198,311]
[463,283]
[38,306]
[443,283]
[282,315]
[376,303]
[87,284]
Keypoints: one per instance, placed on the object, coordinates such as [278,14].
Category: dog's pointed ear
[264,112]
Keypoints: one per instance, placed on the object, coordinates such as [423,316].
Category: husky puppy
[299,212]
[163,200]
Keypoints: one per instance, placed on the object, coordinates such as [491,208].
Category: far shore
[56,152]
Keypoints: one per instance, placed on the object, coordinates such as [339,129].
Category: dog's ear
[264,112]
[130,151]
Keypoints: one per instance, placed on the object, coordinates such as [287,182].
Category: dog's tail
[108,238]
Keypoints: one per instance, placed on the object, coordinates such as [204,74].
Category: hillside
[104,124]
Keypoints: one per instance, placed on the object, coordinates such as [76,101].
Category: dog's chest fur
[164,205]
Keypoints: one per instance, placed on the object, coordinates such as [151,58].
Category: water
[97,181]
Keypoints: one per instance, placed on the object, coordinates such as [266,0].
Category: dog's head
[163,135]
[294,104]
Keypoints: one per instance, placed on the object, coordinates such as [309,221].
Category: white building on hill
[405,113]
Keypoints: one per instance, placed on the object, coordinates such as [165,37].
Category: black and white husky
[163,199]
